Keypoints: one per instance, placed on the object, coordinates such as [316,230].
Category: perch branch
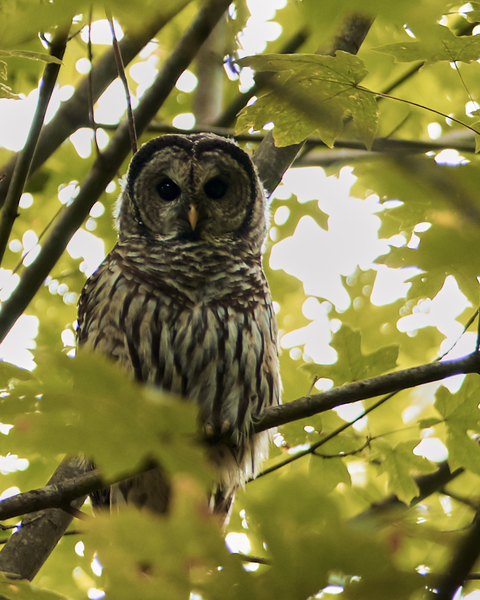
[272,417]
[362,390]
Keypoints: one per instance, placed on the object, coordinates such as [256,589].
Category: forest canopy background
[372,258]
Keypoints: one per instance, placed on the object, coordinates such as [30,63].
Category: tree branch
[362,390]
[462,563]
[74,113]
[24,160]
[29,547]
[207,101]
[109,162]
[463,141]
[298,409]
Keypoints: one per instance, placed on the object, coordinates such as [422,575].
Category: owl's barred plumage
[183,304]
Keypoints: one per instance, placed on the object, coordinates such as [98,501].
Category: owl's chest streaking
[197,323]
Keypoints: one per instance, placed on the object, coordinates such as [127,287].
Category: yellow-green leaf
[440,44]
[313,94]
[352,364]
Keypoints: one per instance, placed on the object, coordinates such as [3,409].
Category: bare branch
[362,390]
[462,563]
[123,78]
[207,102]
[109,162]
[24,161]
[29,547]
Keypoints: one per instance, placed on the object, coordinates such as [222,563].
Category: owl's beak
[193,216]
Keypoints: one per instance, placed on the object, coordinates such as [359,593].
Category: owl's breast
[209,335]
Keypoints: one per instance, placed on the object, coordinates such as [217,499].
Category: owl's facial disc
[204,192]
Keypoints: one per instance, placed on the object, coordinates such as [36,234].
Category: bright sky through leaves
[350,242]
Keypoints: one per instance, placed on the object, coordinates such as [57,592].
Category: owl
[182,302]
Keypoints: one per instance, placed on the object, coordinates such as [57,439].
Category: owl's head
[193,187]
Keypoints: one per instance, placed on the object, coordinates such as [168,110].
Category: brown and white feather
[186,307]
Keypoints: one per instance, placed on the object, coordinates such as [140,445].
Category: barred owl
[182,302]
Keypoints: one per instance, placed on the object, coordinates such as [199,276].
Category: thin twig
[24,160]
[121,73]
[312,448]
[260,560]
[351,453]
[91,114]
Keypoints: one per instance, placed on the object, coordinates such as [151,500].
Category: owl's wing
[102,308]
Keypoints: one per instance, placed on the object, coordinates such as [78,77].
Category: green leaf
[9,372]
[330,471]
[6,92]
[47,58]
[352,365]
[142,554]
[462,415]
[315,94]
[442,45]
[398,463]
[90,405]
[474,15]
[426,423]
[13,589]
[313,541]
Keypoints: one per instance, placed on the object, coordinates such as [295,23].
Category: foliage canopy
[372,259]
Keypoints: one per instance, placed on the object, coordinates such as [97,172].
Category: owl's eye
[168,190]
[216,188]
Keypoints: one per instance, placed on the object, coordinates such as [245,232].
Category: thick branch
[362,390]
[58,493]
[273,417]
[207,101]
[61,492]
[29,547]
[108,163]
[462,563]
